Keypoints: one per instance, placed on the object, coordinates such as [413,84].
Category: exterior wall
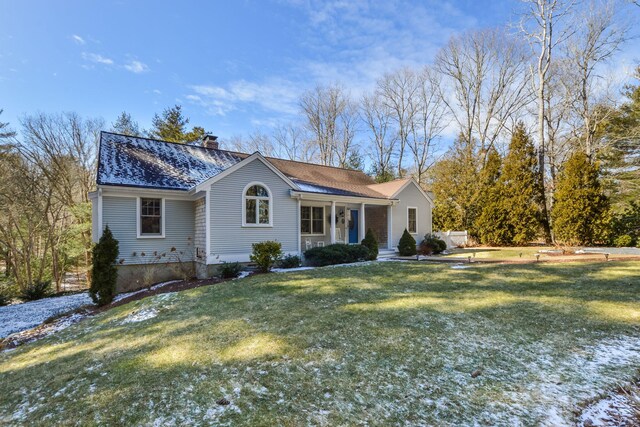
[230,241]
[199,241]
[410,197]
[120,214]
[94,220]
[375,218]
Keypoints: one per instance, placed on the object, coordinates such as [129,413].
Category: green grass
[382,344]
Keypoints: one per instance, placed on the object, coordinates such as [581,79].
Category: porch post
[390,227]
[362,227]
[298,228]
[333,222]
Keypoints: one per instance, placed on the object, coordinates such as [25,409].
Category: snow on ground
[613,411]
[120,297]
[19,317]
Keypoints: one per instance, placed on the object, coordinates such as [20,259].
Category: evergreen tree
[6,133]
[492,225]
[456,186]
[125,125]
[172,126]
[581,210]
[371,243]
[104,272]
[519,182]
[407,244]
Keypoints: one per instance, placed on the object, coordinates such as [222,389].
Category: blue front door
[353,227]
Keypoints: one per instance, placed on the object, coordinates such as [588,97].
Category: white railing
[453,239]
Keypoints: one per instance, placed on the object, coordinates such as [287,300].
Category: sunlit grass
[386,344]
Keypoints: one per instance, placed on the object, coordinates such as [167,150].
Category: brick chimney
[210,141]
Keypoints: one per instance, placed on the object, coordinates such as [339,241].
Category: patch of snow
[20,317]
[141,315]
[120,297]
[609,412]
[286,270]
[460,266]
[242,275]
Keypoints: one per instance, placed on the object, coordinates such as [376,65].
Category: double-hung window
[151,222]
[257,206]
[312,219]
[412,220]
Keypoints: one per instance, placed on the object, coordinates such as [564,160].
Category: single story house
[182,208]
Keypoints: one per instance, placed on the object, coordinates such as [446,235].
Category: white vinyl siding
[410,197]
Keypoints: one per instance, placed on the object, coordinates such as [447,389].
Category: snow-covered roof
[149,163]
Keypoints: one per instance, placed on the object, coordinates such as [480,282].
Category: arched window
[256,205]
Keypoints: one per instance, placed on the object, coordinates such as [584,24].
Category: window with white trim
[412,220]
[312,219]
[257,205]
[150,217]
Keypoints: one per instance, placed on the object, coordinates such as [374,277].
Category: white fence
[453,239]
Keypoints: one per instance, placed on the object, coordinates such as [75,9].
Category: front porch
[343,220]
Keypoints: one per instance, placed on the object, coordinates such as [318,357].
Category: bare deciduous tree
[485,85]
[376,116]
[398,92]
[429,121]
[292,143]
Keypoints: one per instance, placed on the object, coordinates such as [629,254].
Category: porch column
[333,222]
[362,227]
[390,227]
[298,228]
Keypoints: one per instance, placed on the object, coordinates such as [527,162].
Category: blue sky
[235,66]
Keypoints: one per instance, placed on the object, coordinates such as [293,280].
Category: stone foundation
[138,276]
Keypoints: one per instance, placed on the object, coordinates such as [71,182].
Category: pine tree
[125,125]
[172,126]
[581,210]
[519,182]
[407,244]
[104,272]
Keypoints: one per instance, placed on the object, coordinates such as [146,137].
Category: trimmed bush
[338,253]
[290,261]
[266,254]
[432,245]
[407,244]
[36,290]
[104,272]
[623,241]
[371,242]
[229,270]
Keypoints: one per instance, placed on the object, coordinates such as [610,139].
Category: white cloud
[273,95]
[136,67]
[99,59]
[79,40]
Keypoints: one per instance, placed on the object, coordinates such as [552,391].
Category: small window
[257,205]
[151,217]
[312,220]
[412,220]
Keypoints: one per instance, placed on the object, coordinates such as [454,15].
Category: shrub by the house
[229,270]
[338,253]
[104,272]
[266,254]
[407,244]
[371,242]
[432,245]
[36,290]
[290,261]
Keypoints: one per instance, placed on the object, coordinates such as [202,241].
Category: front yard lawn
[382,344]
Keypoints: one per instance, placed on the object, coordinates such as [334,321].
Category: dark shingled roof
[148,163]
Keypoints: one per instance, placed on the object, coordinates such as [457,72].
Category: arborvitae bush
[266,254]
[371,242]
[580,213]
[407,244]
[104,273]
[623,241]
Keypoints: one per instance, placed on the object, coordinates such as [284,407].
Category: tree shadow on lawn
[421,317]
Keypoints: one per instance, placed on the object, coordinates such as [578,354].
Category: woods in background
[547,146]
